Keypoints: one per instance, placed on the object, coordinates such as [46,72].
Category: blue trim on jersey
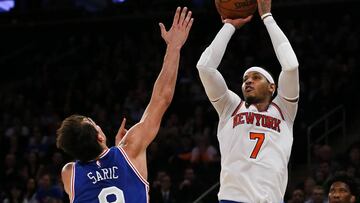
[107,179]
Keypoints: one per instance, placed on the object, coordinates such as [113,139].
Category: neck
[102,153]
[261,106]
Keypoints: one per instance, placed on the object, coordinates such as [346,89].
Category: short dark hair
[344,179]
[78,138]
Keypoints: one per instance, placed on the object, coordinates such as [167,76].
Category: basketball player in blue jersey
[119,174]
[255,134]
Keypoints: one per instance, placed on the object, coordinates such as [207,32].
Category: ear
[100,138]
[272,88]
[352,199]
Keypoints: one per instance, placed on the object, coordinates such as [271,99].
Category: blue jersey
[111,178]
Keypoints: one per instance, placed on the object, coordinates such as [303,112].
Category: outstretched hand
[238,22]
[179,30]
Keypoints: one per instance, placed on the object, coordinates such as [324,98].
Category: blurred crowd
[108,75]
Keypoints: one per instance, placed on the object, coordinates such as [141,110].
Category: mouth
[249,89]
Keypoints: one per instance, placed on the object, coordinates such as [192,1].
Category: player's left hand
[180,28]
[121,132]
[238,22]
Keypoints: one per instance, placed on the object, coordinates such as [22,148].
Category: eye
[343,190]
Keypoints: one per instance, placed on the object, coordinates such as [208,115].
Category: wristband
[265,15]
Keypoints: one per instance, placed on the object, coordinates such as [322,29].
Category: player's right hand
[238,22]
[264,6]
[121,132]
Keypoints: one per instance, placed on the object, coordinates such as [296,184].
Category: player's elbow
[289,62]
[287,57]
[200,65]
[166,97]
[205,59]
[204,69]
[294,65]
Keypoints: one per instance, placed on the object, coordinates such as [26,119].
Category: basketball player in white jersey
[119,174]
[255,134]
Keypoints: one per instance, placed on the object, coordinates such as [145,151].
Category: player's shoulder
[66,174]
[281,99]
[283,102]
[68,168]
[286,108]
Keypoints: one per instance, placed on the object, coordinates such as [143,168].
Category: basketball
[235,8]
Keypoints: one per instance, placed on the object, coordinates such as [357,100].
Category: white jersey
[255,146]
[255,149]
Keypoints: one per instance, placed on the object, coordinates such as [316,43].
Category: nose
[335,195]
[248,81]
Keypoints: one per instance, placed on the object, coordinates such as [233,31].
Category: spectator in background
[9,171]
[309,185]
[324,161]
[323,173]
[181,157]
[316,153]
[317,195]
[204,152]
[47,191]
[297,196]
[166,193]
[38,142]
[190,187]
[30,191]
[55,165]
[184,151]
[15,195]
[342,190]
[353,155]
[35,165]
[156,182]
[326,153]
[155,159]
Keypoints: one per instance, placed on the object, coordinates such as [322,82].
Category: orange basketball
[235,8]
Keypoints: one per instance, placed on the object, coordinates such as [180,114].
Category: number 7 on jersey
[259,137]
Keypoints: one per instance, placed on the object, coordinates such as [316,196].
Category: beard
[251,100]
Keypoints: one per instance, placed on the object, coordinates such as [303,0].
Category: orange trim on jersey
[133,167]
[237,109]
[72,184]
[278,108]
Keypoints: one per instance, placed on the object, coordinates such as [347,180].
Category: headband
[262,71]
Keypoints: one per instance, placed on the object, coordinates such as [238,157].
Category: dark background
[100,58]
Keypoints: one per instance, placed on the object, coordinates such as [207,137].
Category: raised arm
[142,134]
[213,82]
[288,86]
